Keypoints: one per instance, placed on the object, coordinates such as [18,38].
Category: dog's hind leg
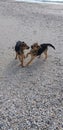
[45,52]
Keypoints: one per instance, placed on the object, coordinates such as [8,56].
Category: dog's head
[24,46]
[35,46]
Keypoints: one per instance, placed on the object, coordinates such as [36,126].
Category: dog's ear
[23,42]
[36,43]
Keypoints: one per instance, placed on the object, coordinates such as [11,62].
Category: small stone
[48,122]
[62,125]
[1,125]
[10,129]
[34,126]
[56,128]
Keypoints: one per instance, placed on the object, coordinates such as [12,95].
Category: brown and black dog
[37,50]
[19,49]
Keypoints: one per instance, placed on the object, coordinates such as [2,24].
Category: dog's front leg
[16,56]
[21,59]
[32,58]
[27,54]
[45,52]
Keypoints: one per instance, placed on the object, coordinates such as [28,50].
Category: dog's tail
[48,44]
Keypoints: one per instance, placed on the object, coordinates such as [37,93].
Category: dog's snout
[32,47]
[28,47]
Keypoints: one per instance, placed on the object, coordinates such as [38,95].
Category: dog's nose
[32,47]
[28,47]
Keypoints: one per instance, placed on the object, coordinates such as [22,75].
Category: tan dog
[37,50]
[19,49]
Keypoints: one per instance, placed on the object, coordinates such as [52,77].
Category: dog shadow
[13,68]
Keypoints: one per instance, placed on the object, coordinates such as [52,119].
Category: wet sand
[31,97]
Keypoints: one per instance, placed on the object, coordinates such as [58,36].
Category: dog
[19,49]
[37,50]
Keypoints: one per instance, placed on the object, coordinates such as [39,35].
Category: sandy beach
[31,98]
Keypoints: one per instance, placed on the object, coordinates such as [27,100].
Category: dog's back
[44,47]
[17,46]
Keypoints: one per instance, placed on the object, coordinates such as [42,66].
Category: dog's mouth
[28,47]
